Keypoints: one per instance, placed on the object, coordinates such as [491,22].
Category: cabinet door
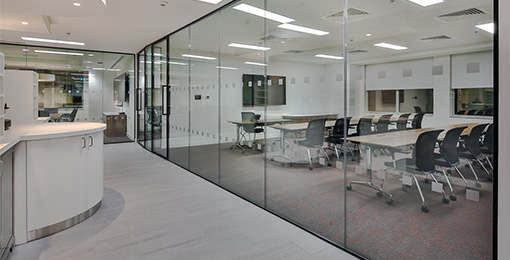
[56,180]
[94,169]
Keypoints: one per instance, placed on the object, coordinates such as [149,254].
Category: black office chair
[68,117]
[471,112]
[314,138]
[417,109]
[401,122]
[461,112]
[422,162]
[417,120]
[250,128]
[487,145]
[382,125]
[338,135]
[448,156]
[470,150]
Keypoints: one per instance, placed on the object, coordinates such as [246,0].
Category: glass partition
[344,117]
[160,92]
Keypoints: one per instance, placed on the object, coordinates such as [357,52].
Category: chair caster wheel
[230,148]
[379,194]
[405,187]
[424,208]
[446,201]
[310,168]
[329,164]
[348,187]
[466,166]
[353,159]
[389,201]
[242,151]
[453,197]
[291,164]
[478,185]
[489,179]
[427,181]
[449,171]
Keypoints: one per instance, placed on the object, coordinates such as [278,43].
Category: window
[410,100]
[474,101]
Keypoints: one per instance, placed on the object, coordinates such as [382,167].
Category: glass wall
[341,117]
[98,85]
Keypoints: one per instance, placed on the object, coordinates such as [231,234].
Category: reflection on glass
[382,100]
[474,101]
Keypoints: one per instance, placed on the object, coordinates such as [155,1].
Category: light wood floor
[153,209]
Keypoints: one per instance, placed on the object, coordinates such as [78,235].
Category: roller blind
[412,74]
[472,70]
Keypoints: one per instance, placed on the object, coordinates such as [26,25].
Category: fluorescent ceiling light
[302,29]
[226,68]
[329,57]
[211,1]
[59,52]
[98,68]
[76,4]
[255,63]
[390,46]
[177,63]
[79,74]
[488,27]
[24,23]
[113,69]
[425,3]
[263,13]
[51,41]
[198,57]
[251,47]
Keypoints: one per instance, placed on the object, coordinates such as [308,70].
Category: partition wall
[292,62]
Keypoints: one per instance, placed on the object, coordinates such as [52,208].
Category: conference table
[395,140]
[240,123]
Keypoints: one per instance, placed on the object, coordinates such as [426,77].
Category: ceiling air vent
[357,51]
[353,14]
[462,14]
[436,38]
[294,51]
[270,38]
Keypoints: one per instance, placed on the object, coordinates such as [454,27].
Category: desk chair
[250,128]
[487,146]
[382,124]
[422,162]
[471,112]
[402,122]
[417,120]
[417,109]
[448,156]
[68,117]
[338,135]
[470,150]
[314,138]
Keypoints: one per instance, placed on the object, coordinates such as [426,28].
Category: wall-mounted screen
[255,92]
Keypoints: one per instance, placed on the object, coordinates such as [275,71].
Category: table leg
[282,145]
[237,143]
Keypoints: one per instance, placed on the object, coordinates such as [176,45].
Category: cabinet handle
[84,143]
[91,141]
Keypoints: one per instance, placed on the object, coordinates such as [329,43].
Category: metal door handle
[84,143]
[91,141]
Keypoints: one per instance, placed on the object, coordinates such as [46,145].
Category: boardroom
[370,124]
[367,123]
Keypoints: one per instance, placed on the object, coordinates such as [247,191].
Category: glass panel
[204,98]
[242,70]
[140,95]
[179,98]
[148,106]
[474,101]
[398,193]
[160,97]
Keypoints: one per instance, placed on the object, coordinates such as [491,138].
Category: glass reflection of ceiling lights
[302,29]
[51,41]
[198,57]
[226,68]
[488,27]
[59,52]
[251,47]
[263,13]
[326,56]
[390,46]
[255,63]
[426,3]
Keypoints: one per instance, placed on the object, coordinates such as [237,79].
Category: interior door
[140,98]
[160,99]
[148,98]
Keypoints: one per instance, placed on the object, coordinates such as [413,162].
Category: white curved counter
[58,175]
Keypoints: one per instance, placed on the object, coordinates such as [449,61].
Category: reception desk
[58,176]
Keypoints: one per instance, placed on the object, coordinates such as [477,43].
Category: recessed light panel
[59,52]
[488,27]
[263,13]
[211,1]
[255,63]
[51,41]
[425,3]
[302,29]
[198,57]
[325,56]
[251,47]
[390,46]
[226,68]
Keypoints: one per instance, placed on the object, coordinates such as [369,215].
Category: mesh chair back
[417,119]
[73,114]
[315,132]
[448,147]
[402,121]
[417,109]
[338,129]
[489,138]
[364,126]
[382,124]
[248,116]
[423,152]
[472,143]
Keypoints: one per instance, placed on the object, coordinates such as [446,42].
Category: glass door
[148,98]
[140,98]
[160,99]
